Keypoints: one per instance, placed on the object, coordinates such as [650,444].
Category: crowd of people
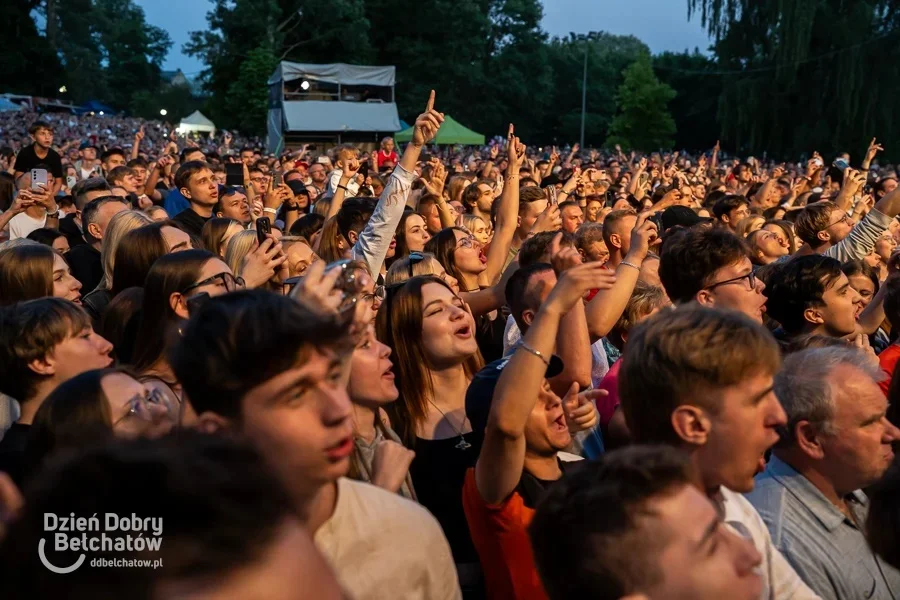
[425,373]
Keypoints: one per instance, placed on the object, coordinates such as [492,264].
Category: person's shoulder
[391,511]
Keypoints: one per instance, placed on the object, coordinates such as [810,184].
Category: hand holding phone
[263,229]
[38,179]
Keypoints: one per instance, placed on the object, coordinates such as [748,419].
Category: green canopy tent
[451,132]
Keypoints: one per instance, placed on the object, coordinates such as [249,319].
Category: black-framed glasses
[845,218]
[414,259]
[227,280]
[750,277]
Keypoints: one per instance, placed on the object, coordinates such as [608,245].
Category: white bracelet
[270,210]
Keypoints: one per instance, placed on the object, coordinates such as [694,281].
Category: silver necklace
[462,444]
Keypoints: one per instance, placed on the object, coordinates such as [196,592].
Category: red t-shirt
[888,360]
[382,157]
[499,533]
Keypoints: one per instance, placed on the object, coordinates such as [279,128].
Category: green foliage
[643,121]
[29,65]
[798,76]
[248,95]
[107,49]
[178,100]
[692,76]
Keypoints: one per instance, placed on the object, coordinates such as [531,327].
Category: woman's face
[217,286]
[756,224]
[136,410]
[864,288]
[593,210]
[772,244]
[176,239]
[480,232]
[233,229]
[64,285]
[61,244]
[371,378]
[377,188]
[468,254]
[416,233]
[448,329]
[299,258]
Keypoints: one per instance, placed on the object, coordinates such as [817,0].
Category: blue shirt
[174,203]
[825,547]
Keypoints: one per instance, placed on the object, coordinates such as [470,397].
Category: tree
[248,96]
[799,76]
[178,100]
[643,121]
[697,87]
[30,66]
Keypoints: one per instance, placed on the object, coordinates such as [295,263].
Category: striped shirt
[825,547]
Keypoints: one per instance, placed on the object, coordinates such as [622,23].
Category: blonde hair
[239,246]
[742,229]
[399,271]
[469,222]
[119,225]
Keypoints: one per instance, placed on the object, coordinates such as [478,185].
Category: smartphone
[656,219]
[277,179]
[38,179]
[551,195]
[841,164]
[364,169]
[644,177]
[263,228]
[348,282]
[71,180]
[234,174]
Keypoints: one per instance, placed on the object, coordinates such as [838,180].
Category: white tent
[196,121]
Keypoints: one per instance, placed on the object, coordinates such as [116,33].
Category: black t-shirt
[190,222]
[84,260]
[69,228]
[27,160]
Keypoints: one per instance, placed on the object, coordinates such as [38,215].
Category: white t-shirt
[21,225]
[382,545]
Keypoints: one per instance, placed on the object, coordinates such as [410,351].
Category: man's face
[572,218]
[82,351]
[485,198]
[837,316]
[740,432]
[739,294]
[736,214]
[317,173]
[529,214]
[889,186]
[857,451]
[546,431]
[432,219]
[596,252]
[622,230]
[702,558]
[43,137]
[194,155]
[221,177]
[113,161]
[140,176]
[300,420]
[246,157]
[202,188]
[129,183]
[840,226]
[744,175]
[89,154]
[258,181]
[235,206]
[107,212]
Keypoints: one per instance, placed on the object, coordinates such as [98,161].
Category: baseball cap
[681,215]
[481,390]
[297,187]
[86,145]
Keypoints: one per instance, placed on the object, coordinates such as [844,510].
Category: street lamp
[163,112]
[586,38]
[62,89]
[304,86]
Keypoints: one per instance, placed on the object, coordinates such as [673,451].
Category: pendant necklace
[462,444]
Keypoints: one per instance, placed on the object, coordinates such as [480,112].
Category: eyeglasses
[750,277]
[466,242]
[845,218]
[140,406]
[379,294]
[227,280]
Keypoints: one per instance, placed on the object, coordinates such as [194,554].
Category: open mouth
[559,423]
[482,257]
[388,374]
[341,450]
[77,300]
[464,332]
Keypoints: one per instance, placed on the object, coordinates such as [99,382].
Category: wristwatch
[53,215]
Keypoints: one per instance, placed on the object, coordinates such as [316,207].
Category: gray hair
[804,390]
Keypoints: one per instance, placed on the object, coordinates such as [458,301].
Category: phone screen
[234,174]
[277,180]
[263,227]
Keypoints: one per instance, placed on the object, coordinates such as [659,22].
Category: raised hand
[515,149]
[427,124]
[549,220]
[317,289]
[581,415]
[139,135]
[434,183]
[565,258]
[874,148]
[261,264]
[494,152]
[577,281]
[643,236]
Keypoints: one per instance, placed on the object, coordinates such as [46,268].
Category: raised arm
[508,215]
[853,182]
[608,305]
[349,166]
[502,457]
[136,146]
[373,242]
[874,148]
